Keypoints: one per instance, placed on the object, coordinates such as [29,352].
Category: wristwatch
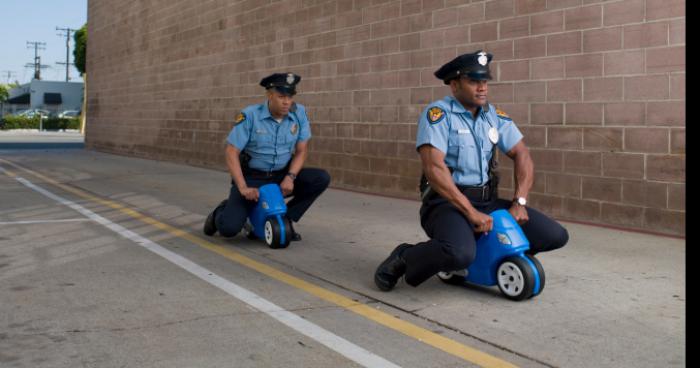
[520,200]
[292,175]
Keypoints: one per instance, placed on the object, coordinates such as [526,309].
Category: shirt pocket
[467,154]
[263,138]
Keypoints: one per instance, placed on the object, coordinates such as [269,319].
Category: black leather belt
[259,174]
[477,193]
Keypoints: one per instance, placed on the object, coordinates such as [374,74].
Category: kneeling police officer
[268,144]
[456,140]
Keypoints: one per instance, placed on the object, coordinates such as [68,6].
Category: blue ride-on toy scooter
[267,219]
[501,260]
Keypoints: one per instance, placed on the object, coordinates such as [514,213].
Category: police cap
[284,83]
[474,66]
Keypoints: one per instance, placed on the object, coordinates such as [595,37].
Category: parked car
[69,114]
[34,112]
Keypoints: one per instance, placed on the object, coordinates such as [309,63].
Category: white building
[53,96]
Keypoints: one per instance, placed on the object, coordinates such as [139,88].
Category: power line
[68,32]
[9,74]
[37,59]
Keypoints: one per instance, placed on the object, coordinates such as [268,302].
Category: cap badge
[483,60]
[290,78]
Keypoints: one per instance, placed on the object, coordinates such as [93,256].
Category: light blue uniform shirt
[270,144]
[446,125]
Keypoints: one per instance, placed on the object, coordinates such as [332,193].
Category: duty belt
[481,193]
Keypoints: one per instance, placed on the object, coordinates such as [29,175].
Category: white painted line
[351,351]
[42,221]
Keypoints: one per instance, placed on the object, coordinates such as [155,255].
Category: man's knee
[229,228]
[323,179]
[460,257]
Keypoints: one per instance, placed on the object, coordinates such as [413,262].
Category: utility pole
[9,75]
[37,60]
[68,32]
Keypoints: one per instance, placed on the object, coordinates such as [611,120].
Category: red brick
[647,140]
[671,113]
[499,9]
[520,113]
[550,22]
[564,43]
[547,160]
[669,168]
[471,13]
[548,114]
[677,32]
[568,90]
[547,68]
[602,89]
[667,59]
[584,65]
[581,209]
[530,92]
[531,47]
[549,205]
[501,92]
[621,215]
[583,17]
[602,189]
[534,136]
[623,12]
[662,9]
[560,4]
[445,18]
[586,163]
[484,32]
[565,138]
[454,36]
[678,86]
[676,197]
[605,39]
[644,193]
[514,70]
[624,62]
[602,139]
[514,27]
[628,113]
[678,141]
[653,87]
[563,185]
[645,35]
[623,165]
[664,221]
[530,6]
[584,114]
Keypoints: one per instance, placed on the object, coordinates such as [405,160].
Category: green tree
[4,92]
[80,38]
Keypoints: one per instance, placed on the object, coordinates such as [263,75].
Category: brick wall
[597,87]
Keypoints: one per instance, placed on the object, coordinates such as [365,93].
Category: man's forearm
[441,181]
[298,160]
[233,163]
[524,174]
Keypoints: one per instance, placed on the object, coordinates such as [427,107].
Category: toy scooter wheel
[451,278]
[273,232]
[540,272]
[515,278]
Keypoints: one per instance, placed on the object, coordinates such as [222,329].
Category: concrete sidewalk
[612,298]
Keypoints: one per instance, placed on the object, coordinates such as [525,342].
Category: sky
[36,20]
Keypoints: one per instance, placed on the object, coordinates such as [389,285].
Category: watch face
[522,201]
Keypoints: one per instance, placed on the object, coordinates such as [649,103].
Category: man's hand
[519,213]
[481,221]
[287,186]
[250,194]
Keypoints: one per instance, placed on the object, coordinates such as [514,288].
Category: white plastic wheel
[510,279]
[269,233]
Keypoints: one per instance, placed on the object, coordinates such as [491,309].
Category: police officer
[456,140]
[268,144]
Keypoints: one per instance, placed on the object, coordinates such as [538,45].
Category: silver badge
[290,78]
[493,135]
[483,60]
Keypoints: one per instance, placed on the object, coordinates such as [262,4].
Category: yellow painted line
[421,334]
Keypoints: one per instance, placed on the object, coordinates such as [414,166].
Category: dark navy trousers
[452,244]
[309,184]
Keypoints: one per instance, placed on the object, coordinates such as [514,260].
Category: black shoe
[295,235]
[391,270]
[210,223]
